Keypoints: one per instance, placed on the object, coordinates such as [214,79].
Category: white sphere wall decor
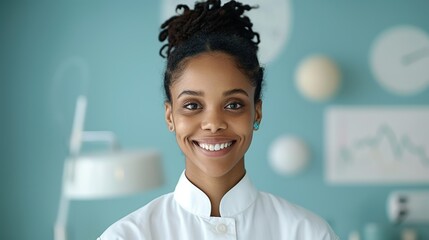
[288,155]
[399,60]
[318,78]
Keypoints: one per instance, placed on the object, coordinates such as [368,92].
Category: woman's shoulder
[282,205]
[129,227]
[292,214]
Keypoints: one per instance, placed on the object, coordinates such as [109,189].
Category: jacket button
[221,228]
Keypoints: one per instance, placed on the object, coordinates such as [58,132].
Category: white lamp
[102,174]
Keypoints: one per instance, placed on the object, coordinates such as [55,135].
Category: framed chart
[380,145]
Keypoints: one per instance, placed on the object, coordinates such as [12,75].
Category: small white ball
[318,78]
[288,155]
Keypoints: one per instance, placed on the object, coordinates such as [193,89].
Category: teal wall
[118,42]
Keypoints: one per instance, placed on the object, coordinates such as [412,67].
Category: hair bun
[208,17]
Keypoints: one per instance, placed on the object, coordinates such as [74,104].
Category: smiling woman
[213,104]
[212,107]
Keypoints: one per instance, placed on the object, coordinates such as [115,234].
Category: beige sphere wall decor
[318,78]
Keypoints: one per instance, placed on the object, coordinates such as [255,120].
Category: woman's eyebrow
[235,91]
[190,92]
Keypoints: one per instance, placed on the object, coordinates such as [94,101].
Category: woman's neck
[215,187]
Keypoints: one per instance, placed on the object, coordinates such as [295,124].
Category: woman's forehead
[211,69]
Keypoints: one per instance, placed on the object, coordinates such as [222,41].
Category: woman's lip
[213,140]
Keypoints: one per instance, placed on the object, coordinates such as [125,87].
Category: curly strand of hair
[184,6]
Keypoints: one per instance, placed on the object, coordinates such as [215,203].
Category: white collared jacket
[246,214]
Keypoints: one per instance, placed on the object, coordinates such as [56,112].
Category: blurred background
[51,52]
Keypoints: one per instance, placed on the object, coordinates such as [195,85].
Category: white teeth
[214,147]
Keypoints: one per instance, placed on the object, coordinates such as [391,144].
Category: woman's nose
[213,121]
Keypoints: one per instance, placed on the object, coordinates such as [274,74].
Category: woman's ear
[169,116]
[258,111]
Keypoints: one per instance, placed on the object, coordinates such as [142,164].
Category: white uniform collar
[195,201]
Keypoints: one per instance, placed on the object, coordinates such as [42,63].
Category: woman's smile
[214,147]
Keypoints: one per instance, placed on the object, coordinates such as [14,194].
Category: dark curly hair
[211,26]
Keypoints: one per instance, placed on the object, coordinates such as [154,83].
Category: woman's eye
[192,106]
[234,105]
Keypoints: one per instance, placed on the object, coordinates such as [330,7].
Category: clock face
[272,20]
[399,60]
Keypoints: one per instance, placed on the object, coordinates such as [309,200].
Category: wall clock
[272,20]
[399,60]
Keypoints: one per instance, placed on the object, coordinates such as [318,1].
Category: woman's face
[212,111]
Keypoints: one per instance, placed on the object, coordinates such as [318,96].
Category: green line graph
[398,145]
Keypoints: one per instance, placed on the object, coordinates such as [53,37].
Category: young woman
[213,104]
